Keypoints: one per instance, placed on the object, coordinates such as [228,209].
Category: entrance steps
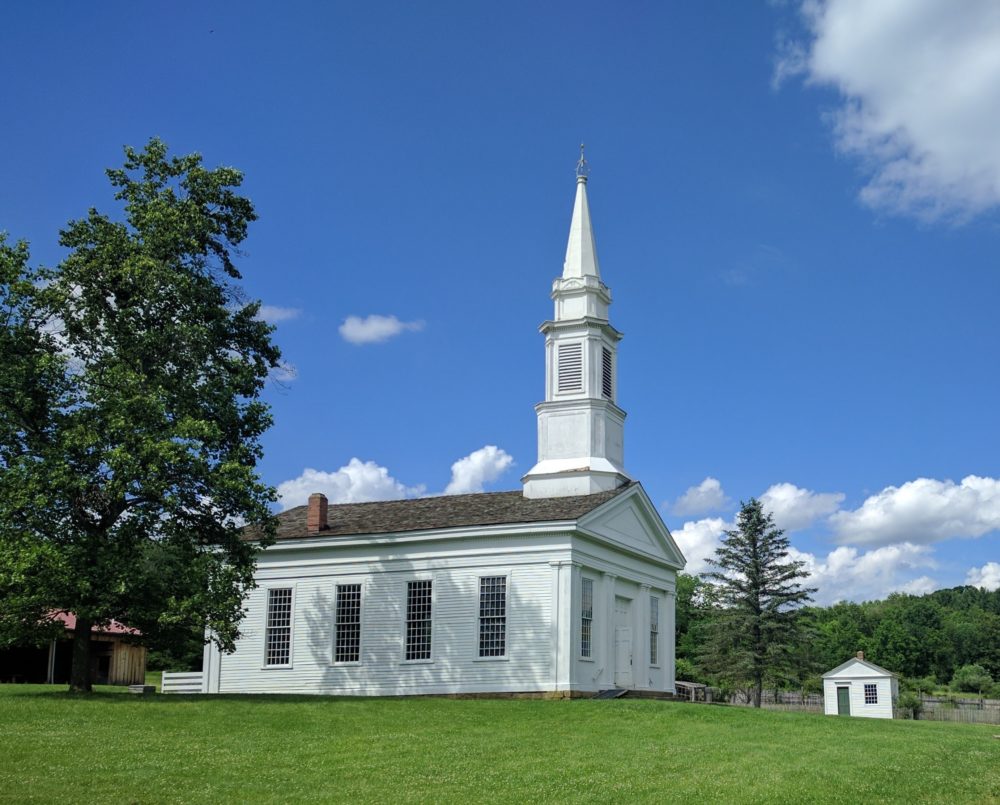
[631,693]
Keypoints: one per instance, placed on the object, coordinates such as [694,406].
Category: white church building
[564,587]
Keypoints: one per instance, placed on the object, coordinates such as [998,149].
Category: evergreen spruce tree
[753,634]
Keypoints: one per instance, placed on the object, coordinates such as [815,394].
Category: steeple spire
[581,250]
[580,426]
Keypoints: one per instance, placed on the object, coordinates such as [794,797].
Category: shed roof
[877,668]
[68,619]
[444,511]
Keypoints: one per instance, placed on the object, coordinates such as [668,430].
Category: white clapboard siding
[455,666]
[182,682]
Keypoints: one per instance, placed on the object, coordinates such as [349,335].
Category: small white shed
[860,688]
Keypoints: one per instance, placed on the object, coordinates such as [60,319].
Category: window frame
[348,582]
[580,623]
[874,693]
[654,633]
[406,597]
[476,657]
[265,666]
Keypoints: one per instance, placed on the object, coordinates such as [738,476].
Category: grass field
[116,747]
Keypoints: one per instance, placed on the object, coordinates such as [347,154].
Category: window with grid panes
[493,616]
[871,694]
[586,617]
[347,624]
[278,631]
[418,620]
[654,630]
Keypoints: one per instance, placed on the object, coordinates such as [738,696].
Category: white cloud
[356,482]
[698,540]
[469,474]
[923,511]
[920,88]
[987,576]
[284,372]
[919,586]
[794,508]
[848,574]
[705,497]
[375,328]
[273,314]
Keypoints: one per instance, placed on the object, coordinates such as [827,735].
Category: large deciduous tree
[130,418]
[754,630]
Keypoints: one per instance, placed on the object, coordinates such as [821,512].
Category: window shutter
[607,387]
[570,360]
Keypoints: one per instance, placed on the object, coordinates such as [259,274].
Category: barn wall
[128,664]
[454,567]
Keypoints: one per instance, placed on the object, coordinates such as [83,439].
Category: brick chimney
[861,654]
[316,516]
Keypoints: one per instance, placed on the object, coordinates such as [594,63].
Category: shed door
[843,701]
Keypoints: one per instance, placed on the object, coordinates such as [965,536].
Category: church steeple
[581,250]
[580,427]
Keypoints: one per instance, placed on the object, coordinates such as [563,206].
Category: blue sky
[795,208]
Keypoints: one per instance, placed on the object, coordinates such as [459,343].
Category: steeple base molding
[579,481]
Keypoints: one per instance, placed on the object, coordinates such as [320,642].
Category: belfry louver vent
[570,358]
[607,387]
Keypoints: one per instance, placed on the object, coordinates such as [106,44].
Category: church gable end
[630,521]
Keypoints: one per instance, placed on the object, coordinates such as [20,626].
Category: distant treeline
[926,637]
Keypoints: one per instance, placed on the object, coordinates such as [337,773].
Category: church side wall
[454,567]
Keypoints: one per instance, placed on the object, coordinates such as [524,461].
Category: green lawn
[116,747]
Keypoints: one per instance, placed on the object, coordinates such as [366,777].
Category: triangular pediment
[627,525]
[631,521]
[857,667]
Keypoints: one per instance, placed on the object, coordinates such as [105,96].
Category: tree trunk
[79,677]
[758,690]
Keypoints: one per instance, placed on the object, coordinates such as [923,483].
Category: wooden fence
[182,682]
[968,711]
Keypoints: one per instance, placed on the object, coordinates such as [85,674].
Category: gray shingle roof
[446,511]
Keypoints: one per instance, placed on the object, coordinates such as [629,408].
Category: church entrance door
[623,642]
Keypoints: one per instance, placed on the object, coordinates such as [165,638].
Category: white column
[575,609]
[668,640]
[211,668]
[562,613]
[554,624]
[640,645]
[608,625]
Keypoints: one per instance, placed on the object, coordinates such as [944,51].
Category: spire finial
[582,167]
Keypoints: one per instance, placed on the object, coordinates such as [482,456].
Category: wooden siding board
[455,666]
[128,664]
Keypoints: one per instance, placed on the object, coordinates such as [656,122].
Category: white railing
[182,682]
